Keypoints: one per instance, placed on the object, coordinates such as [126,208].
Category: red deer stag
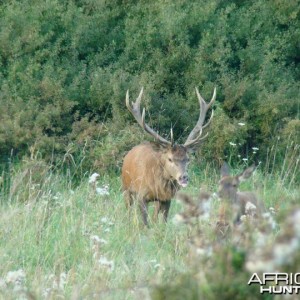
[155,171]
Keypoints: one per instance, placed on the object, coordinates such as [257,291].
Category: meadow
[65,67]
[66,240]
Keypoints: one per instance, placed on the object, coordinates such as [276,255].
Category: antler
[195,136]
[140,118]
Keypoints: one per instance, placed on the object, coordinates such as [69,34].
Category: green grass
[46,229]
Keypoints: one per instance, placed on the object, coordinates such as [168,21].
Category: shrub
[63,62]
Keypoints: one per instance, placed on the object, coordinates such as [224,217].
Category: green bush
[63,62]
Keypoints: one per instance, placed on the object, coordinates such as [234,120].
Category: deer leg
[164,208]
[128,199]
[157,208]
[144,210]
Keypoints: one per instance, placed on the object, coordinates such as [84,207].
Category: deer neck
[170,183]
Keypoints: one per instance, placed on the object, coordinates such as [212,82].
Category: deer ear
[192,149]
[246,173]
[225,170]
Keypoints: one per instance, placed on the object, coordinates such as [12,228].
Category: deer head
[174,157]
[228,185]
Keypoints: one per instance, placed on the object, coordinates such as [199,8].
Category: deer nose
[183,180]
[184,177]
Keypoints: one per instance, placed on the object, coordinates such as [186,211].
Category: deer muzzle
[183,180]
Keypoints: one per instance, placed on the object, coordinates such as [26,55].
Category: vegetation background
[65,67]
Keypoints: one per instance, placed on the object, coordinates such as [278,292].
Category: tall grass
[73,243]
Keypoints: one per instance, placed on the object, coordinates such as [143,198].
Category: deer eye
[170,160]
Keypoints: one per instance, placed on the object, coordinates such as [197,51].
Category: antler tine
[152,132]
[134,108]
[140,118]
[194,136]
[137,103]
[197,140]
[172,137]
[208,122]
[202,100]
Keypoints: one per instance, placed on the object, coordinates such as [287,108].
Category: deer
[234,202]
[155,171]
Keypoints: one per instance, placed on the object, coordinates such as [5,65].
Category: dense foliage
[65,67]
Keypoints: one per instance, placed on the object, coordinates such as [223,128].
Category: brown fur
[235,202]
[148,175]
[154,172]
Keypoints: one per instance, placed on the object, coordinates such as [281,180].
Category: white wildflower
[19,288]
[284,252]
[93,178]
[204,252]
[296,222]
[260,266]
[245,159]
[178,219]
[96,239]
[254,152]
[59,282]
[241,124]
[104,220]
[157,266]
[15,277]
[206,206]
[205,216]
[2,284]
[103,191]
[215,196]
[261,239]
[206,209]
[272,210]
[243,218]
[250,208]
[232,144]
[46,292]
[109,264]
[255,148]
[270,220]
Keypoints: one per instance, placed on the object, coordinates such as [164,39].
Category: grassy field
[65,67]
[64,241]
